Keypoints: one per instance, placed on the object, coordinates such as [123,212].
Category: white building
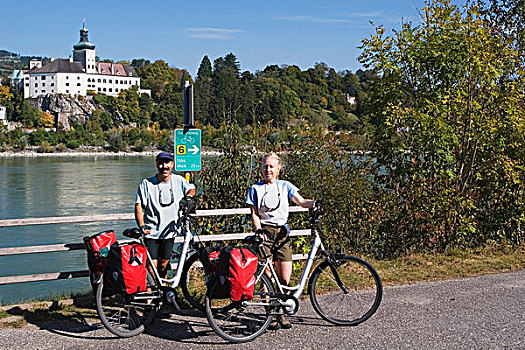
[3,121]
[79,75]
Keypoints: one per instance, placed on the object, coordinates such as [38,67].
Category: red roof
[106,68]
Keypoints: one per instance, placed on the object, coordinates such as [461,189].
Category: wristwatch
[144,227]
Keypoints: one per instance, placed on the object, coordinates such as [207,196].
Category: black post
[189,120]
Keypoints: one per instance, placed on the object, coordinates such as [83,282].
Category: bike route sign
[188,150]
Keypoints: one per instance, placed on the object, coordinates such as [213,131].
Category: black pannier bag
[126,271]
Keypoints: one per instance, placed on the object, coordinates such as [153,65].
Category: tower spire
[84,42]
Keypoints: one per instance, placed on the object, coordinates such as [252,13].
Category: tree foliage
[449,141]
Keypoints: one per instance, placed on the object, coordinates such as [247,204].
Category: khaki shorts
[279,243]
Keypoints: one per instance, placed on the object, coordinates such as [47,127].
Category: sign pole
[189,119]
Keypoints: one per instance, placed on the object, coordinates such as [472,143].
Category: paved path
[486,312]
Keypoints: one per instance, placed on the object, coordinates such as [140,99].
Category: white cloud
[311,19]
[213,33]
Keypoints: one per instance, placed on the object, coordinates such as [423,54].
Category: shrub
[73,144]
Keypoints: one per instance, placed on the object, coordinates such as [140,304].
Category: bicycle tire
[193,282]
[120,316]
[361,299]
[240,322]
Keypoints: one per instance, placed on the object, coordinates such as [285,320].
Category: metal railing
[110,217]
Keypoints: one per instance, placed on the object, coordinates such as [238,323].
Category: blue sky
[259,33]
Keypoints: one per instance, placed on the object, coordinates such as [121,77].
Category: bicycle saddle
[132,232]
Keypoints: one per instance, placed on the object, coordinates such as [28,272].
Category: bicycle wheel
[127,315]
[193,282]
[240,321]
[351,301]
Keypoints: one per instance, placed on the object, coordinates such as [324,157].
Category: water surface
[61,186]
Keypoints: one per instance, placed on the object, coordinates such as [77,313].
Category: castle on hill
[79,75]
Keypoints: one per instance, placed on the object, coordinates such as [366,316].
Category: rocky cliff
[66,109]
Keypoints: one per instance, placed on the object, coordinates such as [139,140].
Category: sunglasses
[269,200]
[166,198]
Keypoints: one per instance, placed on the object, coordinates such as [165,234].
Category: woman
[268,201]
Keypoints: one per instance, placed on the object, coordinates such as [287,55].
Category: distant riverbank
[86,151]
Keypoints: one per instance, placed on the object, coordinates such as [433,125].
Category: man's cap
[164,155]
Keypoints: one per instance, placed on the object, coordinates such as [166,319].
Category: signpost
[188,150]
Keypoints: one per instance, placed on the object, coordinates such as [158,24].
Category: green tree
[203,91]
[448,107]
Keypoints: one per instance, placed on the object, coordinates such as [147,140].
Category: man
[157,210]
[268,201]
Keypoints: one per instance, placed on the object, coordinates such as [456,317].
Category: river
[61,186]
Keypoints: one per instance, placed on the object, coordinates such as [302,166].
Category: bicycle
[344,290]
[127,315]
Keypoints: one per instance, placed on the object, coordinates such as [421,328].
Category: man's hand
[262,234]
[146,230]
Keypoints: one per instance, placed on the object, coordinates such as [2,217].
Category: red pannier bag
[98,247]
[243,265]
[126,272]
[214,261]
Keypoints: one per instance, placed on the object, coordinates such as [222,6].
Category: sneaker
[285,324]
[274,325]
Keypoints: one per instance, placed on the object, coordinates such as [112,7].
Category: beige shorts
[278,243]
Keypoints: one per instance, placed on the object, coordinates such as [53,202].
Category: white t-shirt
[160,203]
[271,201]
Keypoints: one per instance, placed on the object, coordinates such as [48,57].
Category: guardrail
[110,217]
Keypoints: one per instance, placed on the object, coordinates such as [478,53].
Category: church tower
[84,51]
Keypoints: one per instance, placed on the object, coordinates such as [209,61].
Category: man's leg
[162,267]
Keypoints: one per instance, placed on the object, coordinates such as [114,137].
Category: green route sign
[188,150]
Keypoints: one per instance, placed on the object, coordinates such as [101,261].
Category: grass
[454,264]
[407,269]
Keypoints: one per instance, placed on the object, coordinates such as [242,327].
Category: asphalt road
[486,312]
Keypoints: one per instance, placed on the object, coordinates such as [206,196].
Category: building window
[104,80]
[43,77]
[118,73]
[43,91]
[67,84]
[104,89]
[130,74]
[116,81]
[110,90]
[116,90]
[78,84]
[67,91]
[26,78]
[78,78]
[98,89]
[43,84]
[67,76]
[36,84]
[103,72]
[27,84]
[99,80]
[52,84]
[110,81]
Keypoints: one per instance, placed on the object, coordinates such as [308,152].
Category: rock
[66,109]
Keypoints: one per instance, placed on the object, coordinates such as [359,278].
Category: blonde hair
[271,155]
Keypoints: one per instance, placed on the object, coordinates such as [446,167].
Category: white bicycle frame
[304,276]
[175,280]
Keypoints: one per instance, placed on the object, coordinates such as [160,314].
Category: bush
[45,147]
[73,144]
[61,147]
